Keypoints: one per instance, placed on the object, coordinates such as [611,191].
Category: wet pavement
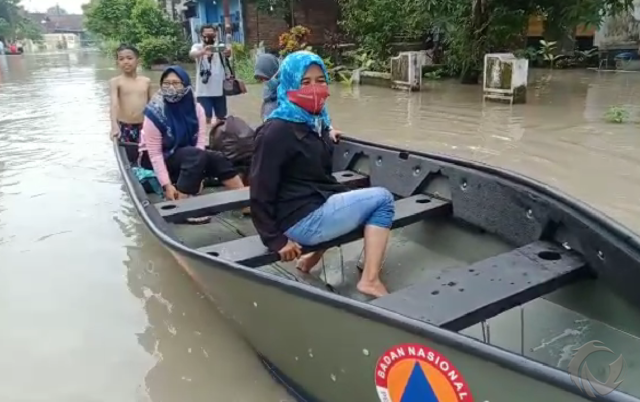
[94,309]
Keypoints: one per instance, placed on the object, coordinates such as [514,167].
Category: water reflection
[189,360]
[92,307]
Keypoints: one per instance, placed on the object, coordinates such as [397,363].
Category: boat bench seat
[461,297]
[250,251]
[222,201]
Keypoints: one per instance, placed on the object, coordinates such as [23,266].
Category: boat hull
[327,347]
[329,353]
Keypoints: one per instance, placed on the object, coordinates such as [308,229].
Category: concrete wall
[622,30]
[52,42]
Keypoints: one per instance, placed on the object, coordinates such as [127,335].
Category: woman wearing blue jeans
[295,200]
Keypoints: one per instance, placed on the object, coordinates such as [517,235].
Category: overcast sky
[72,6]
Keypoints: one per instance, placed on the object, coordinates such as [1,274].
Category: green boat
[502,288]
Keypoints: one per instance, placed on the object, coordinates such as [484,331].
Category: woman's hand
[335,135]
[171,193]
[290,251]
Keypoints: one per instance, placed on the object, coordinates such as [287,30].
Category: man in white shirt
[210,74]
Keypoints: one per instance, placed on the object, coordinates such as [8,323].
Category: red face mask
[310,97]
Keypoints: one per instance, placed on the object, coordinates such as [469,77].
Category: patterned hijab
[173,112]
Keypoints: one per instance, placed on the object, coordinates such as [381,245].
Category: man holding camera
[210,73]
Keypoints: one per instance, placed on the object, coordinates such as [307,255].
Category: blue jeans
[214,104]
[343,213]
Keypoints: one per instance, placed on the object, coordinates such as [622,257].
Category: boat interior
[471,251]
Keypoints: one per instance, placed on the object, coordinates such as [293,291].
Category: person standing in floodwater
[130,93]
[210,74]
[267,66]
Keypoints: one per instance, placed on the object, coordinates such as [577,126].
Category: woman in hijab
[295,200]
[266,69]
[174,135]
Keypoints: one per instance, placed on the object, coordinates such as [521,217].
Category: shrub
[157,50]
[141,23]
[239,51]
[616,114]
[108,47]
[243,63]
[182,48]
[244,70]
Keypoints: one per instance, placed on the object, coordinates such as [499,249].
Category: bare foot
[308,261]
[375,288]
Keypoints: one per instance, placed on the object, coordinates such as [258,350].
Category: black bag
[233,138]
[231,86]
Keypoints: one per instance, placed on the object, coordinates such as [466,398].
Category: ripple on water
[83,313]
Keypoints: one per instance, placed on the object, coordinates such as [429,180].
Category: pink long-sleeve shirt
[151,141]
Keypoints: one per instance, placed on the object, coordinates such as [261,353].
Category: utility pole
[227,23]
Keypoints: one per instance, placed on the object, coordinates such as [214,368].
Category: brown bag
[233,138]
[231,86]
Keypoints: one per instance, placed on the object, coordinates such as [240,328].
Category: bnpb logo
[416,373]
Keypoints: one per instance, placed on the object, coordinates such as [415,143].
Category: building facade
[65,31]
[252,26]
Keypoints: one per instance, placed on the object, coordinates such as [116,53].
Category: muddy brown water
[94,309]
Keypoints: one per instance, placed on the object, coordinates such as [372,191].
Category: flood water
[93,308]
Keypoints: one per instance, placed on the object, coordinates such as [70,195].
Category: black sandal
[203,220]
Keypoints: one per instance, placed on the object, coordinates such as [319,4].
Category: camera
[205,75]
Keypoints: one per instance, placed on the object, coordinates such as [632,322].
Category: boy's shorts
[130,132]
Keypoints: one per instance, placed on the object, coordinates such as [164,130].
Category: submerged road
[93,308]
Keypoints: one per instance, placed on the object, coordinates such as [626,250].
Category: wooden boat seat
[461,297]
[251,252]
[213,203]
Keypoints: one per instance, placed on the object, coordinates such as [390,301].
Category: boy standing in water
[130,93]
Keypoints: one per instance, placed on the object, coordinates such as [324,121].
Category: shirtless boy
[130,93]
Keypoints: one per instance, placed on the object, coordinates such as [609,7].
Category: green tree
[137,22]
[375,23]
[109,19]
[14,25]
[147,20]
[471,28]
[5,28]
[28,29]
[9,11]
